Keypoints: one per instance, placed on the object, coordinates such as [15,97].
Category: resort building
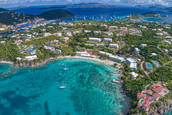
[131,63]
[95,39]
[108,33]
[97,32]
[105,53]
[59,34]
[69,34]
[114,46]
[116,58]
[143,45]
[30,58]
[65,39]
[46,34]
[134,74]
[87,31]
[107,39]
[51,48]
[31,51]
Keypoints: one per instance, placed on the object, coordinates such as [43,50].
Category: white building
[59,34]
[108,33]
[134,74]
[107,39]
[2,42]
[87,31]
[65,39]
[167,42]
[83,54]
[143,45]
[105,53]
[46,34]
[114,46]
[97,32]
[159,34]
[117,58]
[30,58]
[153,54]
[95,39]
[51,48]
[131,63]
[69,34]
[62,23]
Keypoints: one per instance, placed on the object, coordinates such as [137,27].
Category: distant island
[82,5]
[146,15]
[9,17]
[156,7]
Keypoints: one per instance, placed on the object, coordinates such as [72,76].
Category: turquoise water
[141,101]
[169,113]
[4,68]
[89,90]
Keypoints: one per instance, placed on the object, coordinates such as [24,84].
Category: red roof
[156,95]
[157,88]
[139,95]
[149,91]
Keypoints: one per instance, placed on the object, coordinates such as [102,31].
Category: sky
[8,3]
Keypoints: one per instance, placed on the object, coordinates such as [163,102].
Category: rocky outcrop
[162,109]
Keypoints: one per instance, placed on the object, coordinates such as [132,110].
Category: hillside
[150,15]
[11,18]
[55,14]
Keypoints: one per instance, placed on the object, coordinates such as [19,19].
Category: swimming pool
[141,101]
[148,65]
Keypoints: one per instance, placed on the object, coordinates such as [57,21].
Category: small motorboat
[63,86]
[65,68]
[115,81]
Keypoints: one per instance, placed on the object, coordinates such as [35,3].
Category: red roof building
[156,96]
[149,91]
[140,95]
[157,88]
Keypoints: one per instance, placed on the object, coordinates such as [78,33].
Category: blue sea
[89,90]
[100,14]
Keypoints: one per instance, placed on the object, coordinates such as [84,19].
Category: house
[69,34]
[62,23]
[156,96]
[108,33]
[157,88]
[18,41]
[59,51]
[120,34]
[131,63]
[59,34]
[145,107]
[51,48]
[149,92]
[95,39]
[70,24]
[140,95]
[97,32]
[76,32]
[114,46]
[30,58]
[143,45]
[167,42]
[107,39]
[65,39]
[137,49]
[159,34]
[105,53]
[2,42]
[112,28]
[83,54]
[46,34]
[153,54]
[134,74]
[18,58]
[31,51]
[87,31]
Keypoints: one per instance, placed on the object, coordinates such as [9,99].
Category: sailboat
[65,68]
[63,86]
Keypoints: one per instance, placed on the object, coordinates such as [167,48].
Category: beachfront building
[131,63]
[167,42]
[95,39]
[143,45]
[87,31]
[83,54]
[62,23]
[116,58]
[107,39]
[30,58]
[114,46]
[97,32]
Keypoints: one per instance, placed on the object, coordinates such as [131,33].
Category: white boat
[115,81]
[65,68]
[63,86]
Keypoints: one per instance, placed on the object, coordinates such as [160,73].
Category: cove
[89,90]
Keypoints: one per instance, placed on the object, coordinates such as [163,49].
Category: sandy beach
[87,58]
[6,62]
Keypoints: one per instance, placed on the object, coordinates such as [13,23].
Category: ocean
[100,14]
[89,90]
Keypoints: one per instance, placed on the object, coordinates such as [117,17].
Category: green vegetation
[150,15]
[56,14]
[162,74]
